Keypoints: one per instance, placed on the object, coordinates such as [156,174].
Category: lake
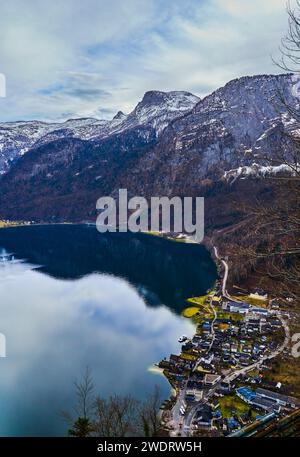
[71,297]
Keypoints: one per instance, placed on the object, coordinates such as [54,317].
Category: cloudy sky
[74,58]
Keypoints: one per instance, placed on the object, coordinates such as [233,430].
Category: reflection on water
[71,298]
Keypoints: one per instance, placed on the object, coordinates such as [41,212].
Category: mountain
[225,130]
[16,138]
[171,144]
[156,109]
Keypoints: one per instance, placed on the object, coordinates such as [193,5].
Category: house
[204,344]
[211,379]
[226,358]
[239,307]
[196,340]
[225,387]
[216,300]
[217,414]
[190,395]
[226,347]
[174,359]
[234,330]
[275,323]
[262,399]
[206,326]
[282,400]
[260,311]
[244,417]
[247,349]
[177,376]
[197,394]
[246,394]
[165,364]
[234,348]
[187,346]
[265,404]
[224,305]
[254,324]
[208,360]
[195,383]
[233,424]
[204,416]
[215,403]
[207,367]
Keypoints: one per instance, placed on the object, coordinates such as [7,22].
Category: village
[220,376]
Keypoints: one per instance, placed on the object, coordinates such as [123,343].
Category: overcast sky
[91,58]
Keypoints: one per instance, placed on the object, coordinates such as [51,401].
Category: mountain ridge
[16,138]
[170,144]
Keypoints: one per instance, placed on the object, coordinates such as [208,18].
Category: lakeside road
[225,277]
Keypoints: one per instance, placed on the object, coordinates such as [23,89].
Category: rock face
[222,132]
[170,144]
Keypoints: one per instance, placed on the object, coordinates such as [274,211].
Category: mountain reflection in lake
[71,298]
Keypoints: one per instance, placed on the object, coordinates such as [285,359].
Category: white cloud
[94,58]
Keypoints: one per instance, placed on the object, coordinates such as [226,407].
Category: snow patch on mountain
[259,171]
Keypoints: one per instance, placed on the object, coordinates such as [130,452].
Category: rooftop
[273,395]
[265,403]
[209,378]
[247,393]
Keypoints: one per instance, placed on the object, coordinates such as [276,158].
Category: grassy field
[200,302]
[190,312]
[252,301]
[286,371]
[233,402]
[186,356]
[198,310]
[230,316]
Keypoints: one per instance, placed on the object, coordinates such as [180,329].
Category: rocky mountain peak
[120,115]
[183,99]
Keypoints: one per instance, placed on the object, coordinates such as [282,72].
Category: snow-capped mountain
[156,109]
[242,116]
[226,130]
[159,108]
[16,138]
[170,144]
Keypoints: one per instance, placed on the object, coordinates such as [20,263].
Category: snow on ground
[256,170]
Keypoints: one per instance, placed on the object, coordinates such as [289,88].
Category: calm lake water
[71,298]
